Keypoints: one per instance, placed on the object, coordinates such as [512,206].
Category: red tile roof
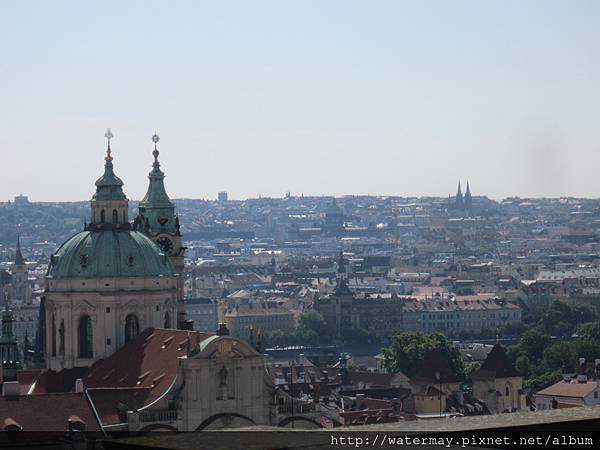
[148,361]
[569,389]
[108,401]
[47,412]
[61,381]
[371,378]
[27,378]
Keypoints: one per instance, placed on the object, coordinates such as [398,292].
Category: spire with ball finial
[155,153]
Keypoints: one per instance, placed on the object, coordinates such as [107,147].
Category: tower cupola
[109,203]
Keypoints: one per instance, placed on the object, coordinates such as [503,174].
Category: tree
[312,321]
[408,349]
[583,314]
[523,365]
[533,343]
[544,380]
[559,355]
[471,368]
[275,338]
[558,319]
[590,331]
[586,348]
[357,336]
[306,336]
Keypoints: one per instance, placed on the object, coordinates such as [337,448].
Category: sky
[309,97]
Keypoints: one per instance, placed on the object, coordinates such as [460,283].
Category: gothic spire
[459,196]
[19,260]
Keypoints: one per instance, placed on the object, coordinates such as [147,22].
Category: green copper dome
[109,253]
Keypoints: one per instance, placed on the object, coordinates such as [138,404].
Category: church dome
[109,253]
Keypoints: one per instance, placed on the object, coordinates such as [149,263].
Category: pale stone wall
[108,206]
[107,301]
[427,404]
[246,389]
[487,390]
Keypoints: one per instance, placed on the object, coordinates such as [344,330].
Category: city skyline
[320,99]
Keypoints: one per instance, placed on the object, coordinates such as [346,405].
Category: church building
[107,283]
[116,338]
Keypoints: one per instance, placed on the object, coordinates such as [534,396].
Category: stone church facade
[105,284]
[114,325]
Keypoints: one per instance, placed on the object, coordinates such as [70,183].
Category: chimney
[79,386]
[582,378]
[10,389]
[582,363]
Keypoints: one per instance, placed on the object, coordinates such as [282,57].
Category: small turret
[109,203]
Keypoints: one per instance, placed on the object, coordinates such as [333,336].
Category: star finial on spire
[108,135]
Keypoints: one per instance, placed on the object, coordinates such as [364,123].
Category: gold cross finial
[108,135]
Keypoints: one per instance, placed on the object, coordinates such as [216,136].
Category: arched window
[507,392]
[115,216]
[167,320]
[102,216]
[85,337]
[132,327]
[53,331]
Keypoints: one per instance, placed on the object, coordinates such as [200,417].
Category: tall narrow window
[115,216]
[167,320]
[102,216]
[85,337]
[132,327]
[61,337]
[53,331]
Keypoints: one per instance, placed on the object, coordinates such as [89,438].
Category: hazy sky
[313,97]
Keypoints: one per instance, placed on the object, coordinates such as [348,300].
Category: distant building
[333,224]
[263,316]
[579,387]
[463,204]
[383,314]
[222,197]
[21,201]
[203,312]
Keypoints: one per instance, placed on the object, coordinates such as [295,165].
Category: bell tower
[157,219]
[20,277]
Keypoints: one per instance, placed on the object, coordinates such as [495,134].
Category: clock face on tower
[165,243]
